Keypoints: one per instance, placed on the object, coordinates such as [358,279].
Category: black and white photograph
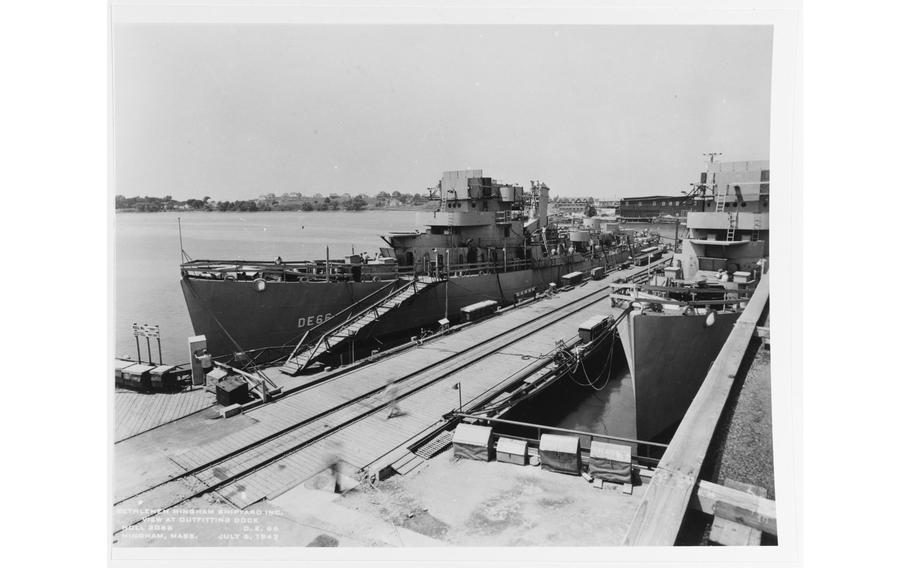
[425,279]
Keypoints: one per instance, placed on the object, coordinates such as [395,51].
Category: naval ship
[680,320]
[486,241]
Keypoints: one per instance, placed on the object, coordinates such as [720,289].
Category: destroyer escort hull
[235,316]
[669,356]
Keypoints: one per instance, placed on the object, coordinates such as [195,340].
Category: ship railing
[288,271]
[735,299]
[486,267]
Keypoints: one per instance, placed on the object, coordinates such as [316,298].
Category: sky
[235,111]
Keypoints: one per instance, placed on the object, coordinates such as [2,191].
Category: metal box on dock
[571,279]
[164,377]
[232,390]
[597,273]
[511,450]
[561,454]
[213,377]
[610,462]
[119,366]
[479,310]
[591,328]
[473,442]
[138,376]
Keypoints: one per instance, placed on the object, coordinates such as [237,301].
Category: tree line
[270,202]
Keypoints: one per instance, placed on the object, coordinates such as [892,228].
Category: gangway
[354,323]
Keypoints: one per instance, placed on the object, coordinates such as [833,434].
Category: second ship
[486,241]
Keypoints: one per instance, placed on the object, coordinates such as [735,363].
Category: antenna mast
[184,257]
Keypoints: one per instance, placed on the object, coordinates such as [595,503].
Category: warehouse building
[646,209]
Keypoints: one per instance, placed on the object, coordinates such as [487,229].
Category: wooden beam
[751,510]
[729,533]
[660,513]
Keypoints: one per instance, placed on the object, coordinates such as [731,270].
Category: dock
[274,447]
[137,412]
[277,453]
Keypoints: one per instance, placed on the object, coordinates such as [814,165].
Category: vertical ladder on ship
[756,226]
[731,229]
[721,203]
[350,327]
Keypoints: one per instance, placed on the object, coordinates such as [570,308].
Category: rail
[339,270]
[291,271]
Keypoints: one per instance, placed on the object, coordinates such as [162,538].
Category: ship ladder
[731,229]
[756,226]
[350,327]
[721,203]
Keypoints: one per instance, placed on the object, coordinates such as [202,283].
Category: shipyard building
[745,185]
[646,209]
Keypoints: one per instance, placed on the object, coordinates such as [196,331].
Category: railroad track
[236,464]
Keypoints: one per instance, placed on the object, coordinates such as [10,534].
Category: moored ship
[486,240]
[682,317]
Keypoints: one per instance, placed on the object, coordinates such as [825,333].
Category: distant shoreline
[413,208]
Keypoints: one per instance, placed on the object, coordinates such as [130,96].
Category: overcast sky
[233,112]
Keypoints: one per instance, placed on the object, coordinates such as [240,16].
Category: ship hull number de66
[308,321]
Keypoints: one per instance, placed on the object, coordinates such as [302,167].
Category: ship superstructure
[486,240]
[729,231]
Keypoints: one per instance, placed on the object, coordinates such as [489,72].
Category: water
[147,258]
[572,403]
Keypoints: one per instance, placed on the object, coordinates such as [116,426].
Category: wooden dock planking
[661,511]
[368,440]
[136,412]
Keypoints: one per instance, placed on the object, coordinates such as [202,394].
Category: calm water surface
[147,258]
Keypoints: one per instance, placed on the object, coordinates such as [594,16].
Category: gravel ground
[746,452]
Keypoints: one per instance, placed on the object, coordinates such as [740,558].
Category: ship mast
[710,171]
[700,190]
